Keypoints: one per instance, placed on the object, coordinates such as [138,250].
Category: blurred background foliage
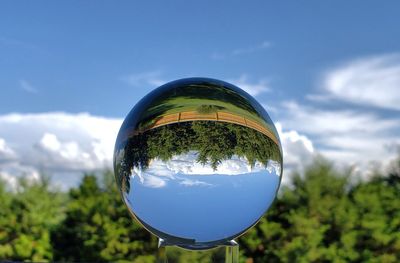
[324,215]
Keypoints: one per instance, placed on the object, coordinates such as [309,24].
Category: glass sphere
[198,161]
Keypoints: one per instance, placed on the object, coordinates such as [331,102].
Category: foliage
[97,226]
[27,216]
[207,108]
[321,217]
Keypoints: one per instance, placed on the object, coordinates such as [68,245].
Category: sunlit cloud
[56,144]
[298,150]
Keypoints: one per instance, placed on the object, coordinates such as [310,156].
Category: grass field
[184,104]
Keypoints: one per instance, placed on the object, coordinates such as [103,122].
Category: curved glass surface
[198,162]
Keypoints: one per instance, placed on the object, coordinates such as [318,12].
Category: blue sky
[327,72]
[244,197]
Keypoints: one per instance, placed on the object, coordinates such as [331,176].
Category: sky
[328,73]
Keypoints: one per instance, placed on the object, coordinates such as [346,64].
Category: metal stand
[161,252]
[231,252]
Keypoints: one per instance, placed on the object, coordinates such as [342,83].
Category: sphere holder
[202,143]
[231,251]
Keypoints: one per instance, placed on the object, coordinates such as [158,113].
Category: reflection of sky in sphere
[183,198]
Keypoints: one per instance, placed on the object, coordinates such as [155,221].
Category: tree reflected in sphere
[198,161]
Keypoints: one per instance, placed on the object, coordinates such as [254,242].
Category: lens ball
[198,162]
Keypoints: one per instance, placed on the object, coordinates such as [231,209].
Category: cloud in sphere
[184,166]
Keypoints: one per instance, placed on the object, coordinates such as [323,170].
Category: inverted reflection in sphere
[198,162]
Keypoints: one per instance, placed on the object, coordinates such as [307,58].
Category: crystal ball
[198,162]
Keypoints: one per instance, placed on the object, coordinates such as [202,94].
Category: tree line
[324,215]
[213,141]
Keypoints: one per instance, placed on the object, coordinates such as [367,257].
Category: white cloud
[187,164]
[298,150]
[9,175]
[317,121]
[10,180]
[371,81]
[56,154]
[61,144]
[153,181]
[252,88]
[152,78]
[6,153]
[346,136]
[50,142]
[189,182]
[25,85]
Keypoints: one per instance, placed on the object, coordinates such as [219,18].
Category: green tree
[27,216]
[377,230]
[6,218]
[323,217]
[98,227]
